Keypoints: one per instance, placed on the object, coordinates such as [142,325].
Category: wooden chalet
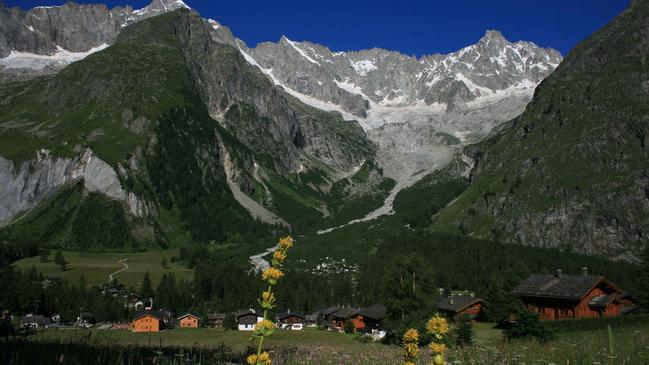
[336,320]
[189,320]
[573,296]
[456,306]
[370,319]
[291,321]
[247,319]
[215,319]
[149,321]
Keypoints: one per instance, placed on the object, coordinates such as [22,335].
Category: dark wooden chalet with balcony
[370,318]
[456,306]
[573,296]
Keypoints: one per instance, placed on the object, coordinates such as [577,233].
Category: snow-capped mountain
[419,112]
[361,82]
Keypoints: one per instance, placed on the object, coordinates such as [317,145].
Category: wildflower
[279,256]
[271,275]
[437,326]
[438,348]
[267,300]
[411,335]
[261,359]
[286,242]
[410,346]
[264,324]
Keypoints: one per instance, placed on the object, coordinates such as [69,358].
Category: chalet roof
[375,311]
[311,317]
[457,303]
[156,314]
[554,286]
[215,316]
[190,315]
[36,319]
[284,315]
[345,313]
[329,311]
[245,312]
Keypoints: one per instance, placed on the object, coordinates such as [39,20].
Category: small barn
[148,321]
[311,320]
[291,321]
[215,319]
[562,296]
[456,306]
[189,320]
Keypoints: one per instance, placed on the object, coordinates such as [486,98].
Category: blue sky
[413,27]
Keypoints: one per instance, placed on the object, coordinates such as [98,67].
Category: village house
[290,321]
[149,321]
[336,321]
[456,306]
[34,321]
[370,319]
[215,319]
[189,320]
[247,319]
[573,296]
[311,320]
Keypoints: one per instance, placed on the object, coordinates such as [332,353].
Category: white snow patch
[363,67]
[214,24]
[301,51]
[62,57]
[475,88]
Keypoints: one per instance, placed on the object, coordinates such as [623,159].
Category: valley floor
[630,345]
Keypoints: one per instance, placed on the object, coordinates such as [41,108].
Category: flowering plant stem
[260,346]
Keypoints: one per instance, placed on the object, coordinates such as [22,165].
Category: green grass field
[97,266]
[630,346]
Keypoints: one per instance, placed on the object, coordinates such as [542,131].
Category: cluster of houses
[552,297]
[365,320]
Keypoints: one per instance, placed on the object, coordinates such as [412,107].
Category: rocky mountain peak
[163,6]
[493,35]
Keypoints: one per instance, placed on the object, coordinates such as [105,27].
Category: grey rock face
[359,81]
[27,185]
[73,27]
[265,119]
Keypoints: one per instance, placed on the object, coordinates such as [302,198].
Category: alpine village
[170,194]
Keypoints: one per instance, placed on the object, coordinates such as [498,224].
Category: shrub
[349,326]
[464,332]
[527,325]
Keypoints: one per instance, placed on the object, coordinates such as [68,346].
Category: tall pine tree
[642,281]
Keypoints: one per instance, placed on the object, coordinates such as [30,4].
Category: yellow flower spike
[271,275]
[437,326]
[264,325]
[286,242]
[262,359]
[438,348]
[279,256]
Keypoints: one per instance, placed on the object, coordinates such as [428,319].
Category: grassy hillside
[96,267]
